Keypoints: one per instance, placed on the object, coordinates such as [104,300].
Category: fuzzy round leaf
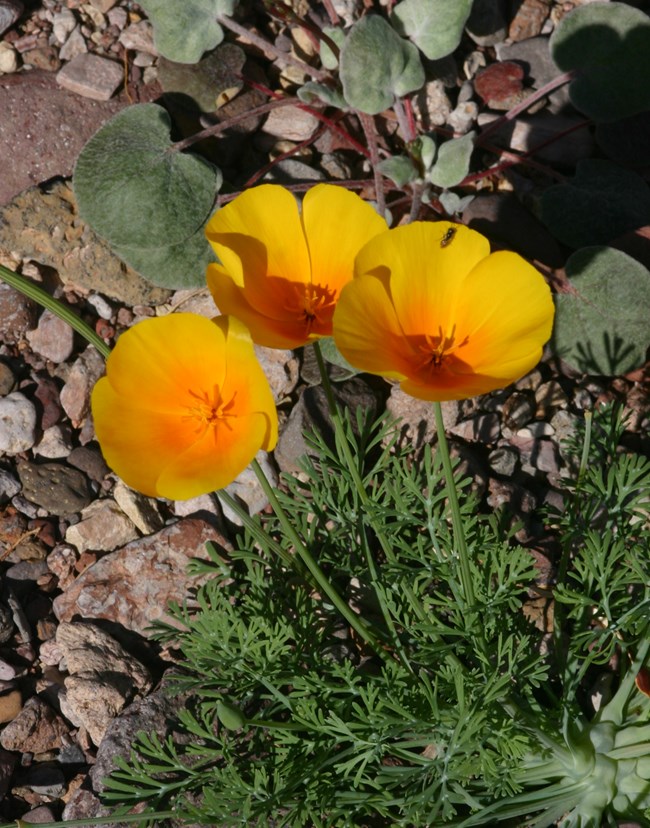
[313,92]
[399,169]
[603,328]
[452,163]
[172,266]
[607,45]
[327,56]
[626,141]
[184,31]
[601,202]
[435,26]
[377,65]
[133,190]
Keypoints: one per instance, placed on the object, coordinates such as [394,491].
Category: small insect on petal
[448,237]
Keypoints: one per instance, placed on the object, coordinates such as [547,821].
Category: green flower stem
[456,519]
[354,620]
[256,530]
[28,288]
[365,499]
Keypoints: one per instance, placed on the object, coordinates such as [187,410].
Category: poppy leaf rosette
[282,267]
[432,307]
[184,406]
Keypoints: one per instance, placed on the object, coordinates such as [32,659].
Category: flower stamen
[209,412]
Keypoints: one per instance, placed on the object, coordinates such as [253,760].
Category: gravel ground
[78,675]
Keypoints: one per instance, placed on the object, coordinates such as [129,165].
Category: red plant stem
[349,184]
[524,158]
[283,156]
[331,124]
[331,12]
[215,129]
[404,114]
[370,132]
[268,47]
[560,80]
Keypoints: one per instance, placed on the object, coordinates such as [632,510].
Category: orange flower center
[436,350]
[313,305]
[209,411]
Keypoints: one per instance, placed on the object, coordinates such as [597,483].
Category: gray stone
[291,122]
[416,418]
[104,677]
[134,585]
[75,394]
[138,37]
[10,11]
[55,487]
[36,729]
[74,46]
[91,76]
[45,780]
[52,338]
[504,460]
[8,59]
[484,428]
[9,486]
[247,488]
[564,144]
[55,443]
[18,314]
[63,22]
[463,117]
[487,22]
[103,527]
[17,423]
[518,409]
[142,511]
[7,379]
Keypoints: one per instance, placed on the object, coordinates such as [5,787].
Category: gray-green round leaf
[185,29]
[314,92]
[327,56]
[452,163]
[134,190]
[172,266]
[608,46]
[601,202]
[377,65]
[435,26]
[603,327]
[400,169]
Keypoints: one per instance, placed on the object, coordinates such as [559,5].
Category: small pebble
[8,59]
[7,379]
[11,704]
[18,421]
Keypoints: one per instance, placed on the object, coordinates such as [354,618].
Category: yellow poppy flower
[282,269]
[430,306]
[184,406]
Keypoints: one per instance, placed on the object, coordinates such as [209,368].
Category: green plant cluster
[466,714]
[150,198]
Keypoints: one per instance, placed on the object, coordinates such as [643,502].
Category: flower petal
[337,224]
[184,405]
[425,278]
[282,329]
[367,331]
[507,314]
[259,233]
